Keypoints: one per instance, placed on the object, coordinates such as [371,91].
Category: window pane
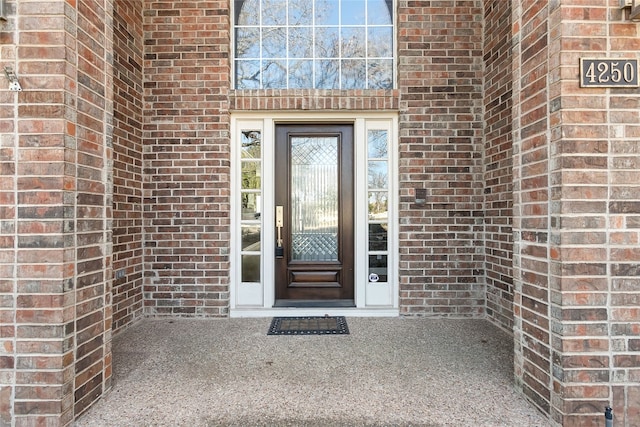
[301,42]
[327,12]
[300,12]
[250,206]
[354,73]
[378,205]
[247,45]
[380,42]
[250,140]
[274,43]
[378,12]
[353,42]
[251,238]
[378,175]
[274,74]
[377,144]
[313,29]
[250,175]
[274,12]
[378,268]
[327,42]
[300,74]
[353,12]
[250,12]
[247,74]
[327,74]
[378,237]
[380,74]
[251,268]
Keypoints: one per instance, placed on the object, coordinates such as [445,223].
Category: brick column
[441,104]
[186,133]
[55,262]
[576,215]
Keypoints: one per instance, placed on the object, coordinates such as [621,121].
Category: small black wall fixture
[14,84]
[3,10]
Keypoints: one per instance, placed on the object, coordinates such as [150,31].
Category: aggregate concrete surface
[386,372]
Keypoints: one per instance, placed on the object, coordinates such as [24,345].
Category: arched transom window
[313,44]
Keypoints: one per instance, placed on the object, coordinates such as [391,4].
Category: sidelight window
[378,203]
[313,44]
[250,204]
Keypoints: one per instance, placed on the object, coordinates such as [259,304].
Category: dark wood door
[314,215]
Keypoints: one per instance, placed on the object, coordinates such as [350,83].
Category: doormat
[336,325]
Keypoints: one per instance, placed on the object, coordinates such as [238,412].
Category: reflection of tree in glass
[378,204]
[250,169]
[251,144]
[271,45]
[377,144]
[378,178]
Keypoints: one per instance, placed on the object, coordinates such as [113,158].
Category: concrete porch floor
[386,372]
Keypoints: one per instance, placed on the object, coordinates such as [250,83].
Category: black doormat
[310,325]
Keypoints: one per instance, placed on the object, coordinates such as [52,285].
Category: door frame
[343,271]
[257,299]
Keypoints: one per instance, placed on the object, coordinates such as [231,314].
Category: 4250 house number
[609,72]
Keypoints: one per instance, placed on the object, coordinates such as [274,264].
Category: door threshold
[329,303]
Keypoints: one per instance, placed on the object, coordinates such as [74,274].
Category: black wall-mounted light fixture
[421,196]
[3,10]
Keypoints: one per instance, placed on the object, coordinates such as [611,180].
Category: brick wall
[531,201]
[9,154]
[498,153]
[55,262]
[186,158]
[441,104]
[127,163]
[90,165]
[576,216]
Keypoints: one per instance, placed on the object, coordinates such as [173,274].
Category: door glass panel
[250,268]
[378,175]
[378,268]
[378,205]
[378,236]
[250,206]
[250,175]
[377,144]
[250,140]
[251,238]
[314,198]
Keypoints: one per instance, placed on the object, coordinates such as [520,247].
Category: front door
[314,215]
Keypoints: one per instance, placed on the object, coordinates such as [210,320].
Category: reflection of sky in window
[358,34]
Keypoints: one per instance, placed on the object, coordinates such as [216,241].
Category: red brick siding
[531,201]
[313,100]
[595,187]
[128,245]
[186,158]
[498,163]
[54,272]
[92,201]
[576,216]
[441,103]
[9,154]
[37,226]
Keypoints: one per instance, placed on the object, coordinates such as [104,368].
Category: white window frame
[394,62]
[257,299]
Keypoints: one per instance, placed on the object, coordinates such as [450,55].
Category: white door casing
[255,297]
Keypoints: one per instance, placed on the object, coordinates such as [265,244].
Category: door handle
[279,225]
